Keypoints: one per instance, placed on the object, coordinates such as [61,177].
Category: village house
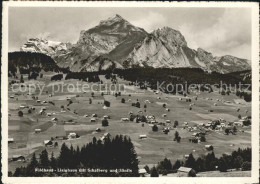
[142,136]
[37,130]
[18,158]
[94,115]
[54,119]
[186,172]
[124,119]
[142,172]
[48,114]
[72,135]
[10,140]
[209,147]
[48,143]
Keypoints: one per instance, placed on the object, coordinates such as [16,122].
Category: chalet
[72,136]
[22,106]
[93,120]
[107,134]
[215,104]
[167,109]
[98,130]
[48,143]
[142,136]
[18,158]
[38,130]
[164,115]
[85,115]
[158,97]
[186,156]
[147,101]
[185,123]
[11,96]
[142,172]
[32,108]
[94,115]
[38,101]
[54,119]
[209,147]
[48,114]
[124,119]
[186,171]
[129,100]
[44,109]
[180,98]
[168,121]
[10,140]
[130,113]
[106,117]
[238,123]
[68,98]
[201,124]
[222,124]
[44,102]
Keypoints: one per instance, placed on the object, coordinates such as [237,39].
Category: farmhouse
[38,130]
[124,119]
[209,147]
[10,140]
[93,120]
[142,136]
[48,143]
[72,136]
[186,171]
[18,158]
[106,117]
[48,114]
[54,119]
[142,172]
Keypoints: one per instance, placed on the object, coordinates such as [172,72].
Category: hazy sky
[217,30]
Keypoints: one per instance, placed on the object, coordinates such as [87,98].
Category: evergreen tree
[30,170]
[154,172]
[44,159]
[53,161]
[190,162]
[64,155]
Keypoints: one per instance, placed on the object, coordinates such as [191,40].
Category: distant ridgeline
[25,62]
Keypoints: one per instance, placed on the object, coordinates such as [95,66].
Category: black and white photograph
[167,90]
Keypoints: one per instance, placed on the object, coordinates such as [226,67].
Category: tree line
[239,159]
[115,153]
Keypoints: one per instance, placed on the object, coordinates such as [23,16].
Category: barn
[186,172]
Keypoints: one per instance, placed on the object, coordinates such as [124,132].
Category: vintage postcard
[124,92]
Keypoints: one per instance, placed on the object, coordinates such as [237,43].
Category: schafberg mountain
[117,43]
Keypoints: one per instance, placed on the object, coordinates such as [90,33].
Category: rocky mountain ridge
[117,43]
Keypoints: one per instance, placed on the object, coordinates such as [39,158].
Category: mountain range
[115,42]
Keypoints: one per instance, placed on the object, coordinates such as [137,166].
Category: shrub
[104,122]
[155,128]
[122,100]
[107,103]
[20,113]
